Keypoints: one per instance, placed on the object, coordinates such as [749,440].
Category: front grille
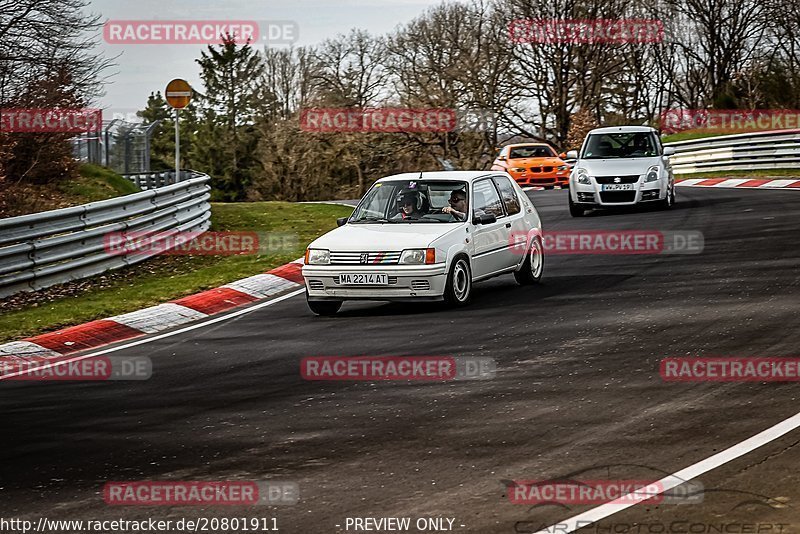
[391,279]
[618,196]
[420,285]
[316,285]
[541,169]
[372,258]
[612,179]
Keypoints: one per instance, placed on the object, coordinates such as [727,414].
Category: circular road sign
[178,93]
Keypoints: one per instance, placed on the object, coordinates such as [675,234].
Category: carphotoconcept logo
[729,120]
[585,31]
[196,243]
[51,120]
[613,242]
[135,32]
[415,368]
[201,493]
[97,368]
[737,369]
[395,120]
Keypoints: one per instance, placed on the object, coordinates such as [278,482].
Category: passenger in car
[458,205]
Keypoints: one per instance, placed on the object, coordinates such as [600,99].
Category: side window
[486,199]
[508,194]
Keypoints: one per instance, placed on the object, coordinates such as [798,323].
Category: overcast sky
[142,69]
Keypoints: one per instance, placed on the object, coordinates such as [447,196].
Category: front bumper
[414,282]
[541,179]
[591,195]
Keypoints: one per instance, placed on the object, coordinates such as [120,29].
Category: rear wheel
[324,307]
[458,289]
[574,209]
[533,266]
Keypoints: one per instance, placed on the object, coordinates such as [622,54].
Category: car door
[490,240]
[516,224]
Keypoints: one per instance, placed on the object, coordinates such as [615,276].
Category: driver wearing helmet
[409,204]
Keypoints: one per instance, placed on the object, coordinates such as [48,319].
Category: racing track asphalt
[577,391]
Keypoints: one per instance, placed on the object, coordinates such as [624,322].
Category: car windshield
[411,201]
[532,151]
[620,145]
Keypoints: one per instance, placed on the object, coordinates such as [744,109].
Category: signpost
[178,94]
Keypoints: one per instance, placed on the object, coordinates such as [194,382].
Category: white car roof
[622,129]
[467,176]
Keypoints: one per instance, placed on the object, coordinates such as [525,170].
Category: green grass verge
[762,173]
[96,183]
[169,277]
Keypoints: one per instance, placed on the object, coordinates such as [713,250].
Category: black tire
[533,266]
[458,289]
[574,209]
[669,200]
[325,308]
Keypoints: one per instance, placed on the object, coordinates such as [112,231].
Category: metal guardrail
[43,249]
[150,180]
[779,149]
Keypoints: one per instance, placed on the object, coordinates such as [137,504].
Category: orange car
[533,164]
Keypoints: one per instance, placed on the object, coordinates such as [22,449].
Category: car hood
[527,162]
[381,237]
[617,167]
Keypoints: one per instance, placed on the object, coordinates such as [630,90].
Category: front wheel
[533,266]
[324,307]
[458,289]
[574,209]
[669,200]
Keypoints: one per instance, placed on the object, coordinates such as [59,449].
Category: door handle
[508,225]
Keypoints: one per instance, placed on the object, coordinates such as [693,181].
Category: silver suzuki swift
[621,166]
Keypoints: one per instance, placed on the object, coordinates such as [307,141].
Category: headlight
[563,167]
[518,169]
[583,176]
[317,256]
[418,256]
[652,174]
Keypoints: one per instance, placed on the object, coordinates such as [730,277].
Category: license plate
[618,187]
[366,279]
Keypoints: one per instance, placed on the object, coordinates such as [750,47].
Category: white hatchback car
[426,236]
[621,166]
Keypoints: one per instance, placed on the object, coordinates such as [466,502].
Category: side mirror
[341,221]
[563,155]
[486,218]
[501,158]
[572,154]
[669,151]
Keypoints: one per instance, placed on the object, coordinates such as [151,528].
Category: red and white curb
[103,332]
[741,182]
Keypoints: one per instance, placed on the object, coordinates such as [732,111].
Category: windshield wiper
[371,219]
